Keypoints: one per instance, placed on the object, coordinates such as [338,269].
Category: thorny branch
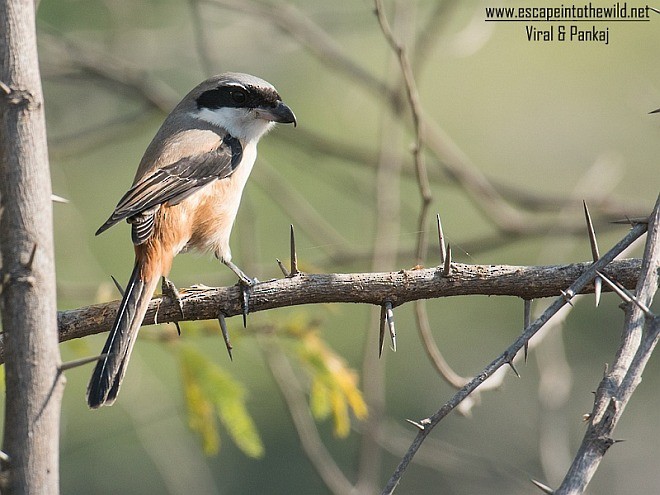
[640,336]
[426,425]
[203,303]
[418,124]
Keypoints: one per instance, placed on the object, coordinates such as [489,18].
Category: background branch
[426,425]
[640,336]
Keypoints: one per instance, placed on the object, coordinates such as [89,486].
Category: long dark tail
[109,372]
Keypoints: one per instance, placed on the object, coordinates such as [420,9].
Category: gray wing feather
[172,184]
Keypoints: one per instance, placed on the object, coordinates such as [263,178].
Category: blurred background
[518,133]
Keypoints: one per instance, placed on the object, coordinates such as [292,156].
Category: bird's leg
[171,292]
[246,284]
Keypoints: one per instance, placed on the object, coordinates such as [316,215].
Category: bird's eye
[238,96]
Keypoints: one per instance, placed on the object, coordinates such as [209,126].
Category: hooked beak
[279,113]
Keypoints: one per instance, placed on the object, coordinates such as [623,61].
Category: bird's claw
[170,291]
[246,286]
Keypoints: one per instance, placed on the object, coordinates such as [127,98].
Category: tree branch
[578,286]
[527,282]
[640,336]
[34,383]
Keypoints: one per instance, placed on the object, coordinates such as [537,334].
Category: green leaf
[210,391]
[334,390]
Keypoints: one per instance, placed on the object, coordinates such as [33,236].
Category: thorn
[632,221]
[285,272]
[225,334]
[245,303]
[441,240]
[178,328]
[658,110]
[567,295]
[294,254]
[381,335]
[80,362]
[158,303]
[595,254]
[30,262]
[542,487]
[627,296]
[592,234]
[586,417]
[389,315]
[4,457]
[510,363]
[527,316]
[118,285]
[598,288]
[58,199]
[417,425]
[446,269]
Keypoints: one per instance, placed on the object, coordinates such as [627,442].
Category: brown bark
[526,282]
[28,298]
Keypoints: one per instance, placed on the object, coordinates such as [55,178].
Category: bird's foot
[246,284]
[246,289]
[171,292]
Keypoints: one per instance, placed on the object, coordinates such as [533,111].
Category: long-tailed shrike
[186,194]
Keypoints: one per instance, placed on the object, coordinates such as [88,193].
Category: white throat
[242,123]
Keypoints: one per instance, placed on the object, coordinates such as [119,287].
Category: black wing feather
[172,184]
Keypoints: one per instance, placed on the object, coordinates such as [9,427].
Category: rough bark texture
[527,282]
[28,298]
[639,337]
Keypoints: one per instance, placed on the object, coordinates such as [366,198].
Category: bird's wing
[172,184]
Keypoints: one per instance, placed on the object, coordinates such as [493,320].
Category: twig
[80,362]
[311,36]
[413,101]
[201,43]
[294,204]
[389,166]
[310,439]
[576,287]
[640,336]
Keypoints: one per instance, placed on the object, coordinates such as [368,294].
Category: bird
[185,195]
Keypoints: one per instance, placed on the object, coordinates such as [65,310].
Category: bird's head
[244,105]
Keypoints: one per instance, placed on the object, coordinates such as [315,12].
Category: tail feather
[109,372]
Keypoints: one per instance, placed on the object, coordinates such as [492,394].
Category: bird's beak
[279,113]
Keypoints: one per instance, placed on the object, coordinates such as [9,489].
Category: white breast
[222,199]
